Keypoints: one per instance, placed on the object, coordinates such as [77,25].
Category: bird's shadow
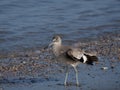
[70,84]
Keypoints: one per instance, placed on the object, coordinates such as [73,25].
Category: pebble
[24,62]
[37,51]
[112,66]
[104,68]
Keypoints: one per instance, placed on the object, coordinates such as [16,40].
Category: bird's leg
[65,82]
[76,71]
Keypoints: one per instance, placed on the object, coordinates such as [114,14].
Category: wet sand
[36,69]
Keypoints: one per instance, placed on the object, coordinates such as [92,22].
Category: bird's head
[56,40]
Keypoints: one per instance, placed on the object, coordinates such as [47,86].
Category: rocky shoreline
[33,66]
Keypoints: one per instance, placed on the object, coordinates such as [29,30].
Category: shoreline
[36,66]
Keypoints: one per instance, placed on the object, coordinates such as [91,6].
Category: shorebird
[70,56]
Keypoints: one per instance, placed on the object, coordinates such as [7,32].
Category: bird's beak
[50,44]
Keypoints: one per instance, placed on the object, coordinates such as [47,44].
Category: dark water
[32,23]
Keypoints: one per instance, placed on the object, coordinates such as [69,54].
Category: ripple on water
[3,32]
[33,23]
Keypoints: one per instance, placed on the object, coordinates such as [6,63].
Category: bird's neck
[56,49]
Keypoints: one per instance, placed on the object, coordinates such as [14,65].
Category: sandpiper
[70,56]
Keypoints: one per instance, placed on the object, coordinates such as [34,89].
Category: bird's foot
[78,85]
[65,84]
[72,84]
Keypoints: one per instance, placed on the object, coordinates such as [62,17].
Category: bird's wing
[75,54]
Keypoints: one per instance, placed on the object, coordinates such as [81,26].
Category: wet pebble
[35,58]
[88,74]
[24,62]
[112,66]
[37,51]
[104,68]
[26,55]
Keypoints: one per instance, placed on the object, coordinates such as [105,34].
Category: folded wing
[79,55]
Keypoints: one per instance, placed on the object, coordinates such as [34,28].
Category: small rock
[24,62]
[37,51]
[26,55]
[104,68]
[36,58]
[112,66]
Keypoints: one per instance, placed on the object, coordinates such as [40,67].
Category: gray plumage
[70,56]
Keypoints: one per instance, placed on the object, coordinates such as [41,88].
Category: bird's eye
[55,39]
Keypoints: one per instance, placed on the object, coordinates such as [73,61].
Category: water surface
[32,23]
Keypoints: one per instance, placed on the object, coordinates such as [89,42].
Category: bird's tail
[88,59]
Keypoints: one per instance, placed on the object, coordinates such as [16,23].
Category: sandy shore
[36,69]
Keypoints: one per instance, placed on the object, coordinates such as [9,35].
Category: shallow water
[26,24]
